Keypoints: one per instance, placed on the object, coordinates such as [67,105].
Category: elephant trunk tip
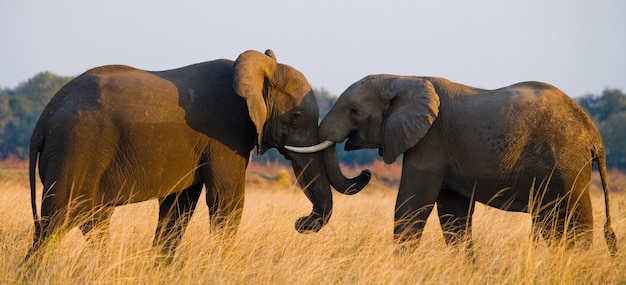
[356,184]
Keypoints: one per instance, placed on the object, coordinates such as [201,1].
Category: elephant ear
[413,107]
[251,70]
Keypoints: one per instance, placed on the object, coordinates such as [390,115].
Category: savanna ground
[354,248]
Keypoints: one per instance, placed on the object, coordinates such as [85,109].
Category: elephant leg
[549,226]
[51,224]
[555,224]
[455,216]
[42,231]
[416,198]
[568,219]
[100,219]
[225,185]
[579,214]
[175,211]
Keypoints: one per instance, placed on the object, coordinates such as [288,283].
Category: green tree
[20,109]
[613,130]
[610,102]
[325,100]
[608,111]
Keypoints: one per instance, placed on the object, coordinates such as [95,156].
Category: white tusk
[310,149]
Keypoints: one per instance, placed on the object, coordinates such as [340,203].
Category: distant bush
[20,109]
[608,111]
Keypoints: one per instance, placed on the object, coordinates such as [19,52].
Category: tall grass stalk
[356,247]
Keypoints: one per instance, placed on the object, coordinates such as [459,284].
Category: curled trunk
[336,178]
[315,173]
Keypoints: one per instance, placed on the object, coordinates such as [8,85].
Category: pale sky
[579,46]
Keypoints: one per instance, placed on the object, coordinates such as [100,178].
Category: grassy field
[354,248]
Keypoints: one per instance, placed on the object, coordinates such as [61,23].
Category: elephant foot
[310,224]
[29,255]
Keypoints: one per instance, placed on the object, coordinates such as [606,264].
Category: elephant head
[284,111]
[379,111]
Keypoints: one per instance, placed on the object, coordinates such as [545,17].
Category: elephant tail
[609,234]
[36,143]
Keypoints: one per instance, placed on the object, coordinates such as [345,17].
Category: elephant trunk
[336,178]
[309,170]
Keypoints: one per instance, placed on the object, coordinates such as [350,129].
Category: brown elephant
[527,147]
[117,135]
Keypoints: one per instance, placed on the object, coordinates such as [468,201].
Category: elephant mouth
[352,141]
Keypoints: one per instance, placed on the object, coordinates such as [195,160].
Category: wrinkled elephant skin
[527,147]
[117,135]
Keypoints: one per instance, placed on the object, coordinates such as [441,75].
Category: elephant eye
[295,117]
[353,111]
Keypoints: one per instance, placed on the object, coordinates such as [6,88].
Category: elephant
[117,135]
[527,148]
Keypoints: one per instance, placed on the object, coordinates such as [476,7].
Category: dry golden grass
[354,248]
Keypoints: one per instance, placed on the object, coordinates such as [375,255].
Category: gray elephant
[525,148]
[117,135]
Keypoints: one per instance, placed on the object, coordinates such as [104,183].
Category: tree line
[20,109]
